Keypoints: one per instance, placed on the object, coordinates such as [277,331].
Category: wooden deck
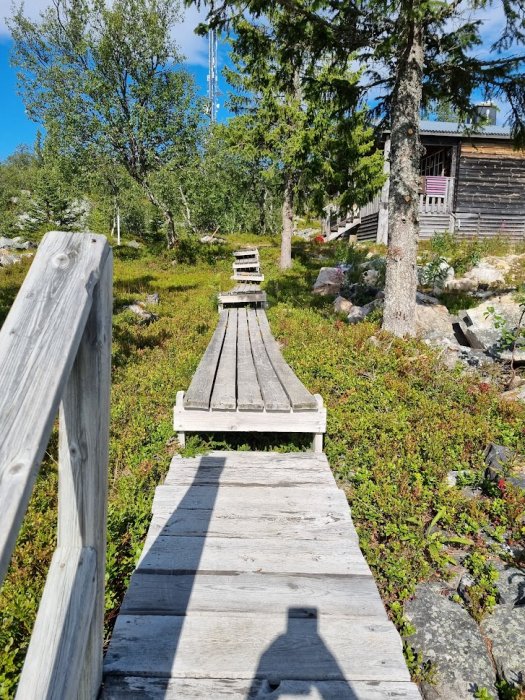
[252,586]
[243,384]
[243,294]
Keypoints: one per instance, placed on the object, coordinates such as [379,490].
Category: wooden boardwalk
[252,586]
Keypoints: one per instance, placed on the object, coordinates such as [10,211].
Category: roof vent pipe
[486,113]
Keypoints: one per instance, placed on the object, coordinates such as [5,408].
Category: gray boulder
[479,326]
[17,243]
[485,275]
[451,640]
[505,627]
[329,281]
[358,313]
[433,321]
[6,260]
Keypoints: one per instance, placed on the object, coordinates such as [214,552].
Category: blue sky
[16,128]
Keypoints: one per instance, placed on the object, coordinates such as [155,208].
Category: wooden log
[274,396]
[248,646]
[160,555]
[38,344]
[271,502]
[263,594]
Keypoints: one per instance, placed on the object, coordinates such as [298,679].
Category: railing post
[83,462]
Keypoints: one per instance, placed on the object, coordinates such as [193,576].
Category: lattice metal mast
[213,80]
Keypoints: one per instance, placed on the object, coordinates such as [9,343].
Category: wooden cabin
[471,184]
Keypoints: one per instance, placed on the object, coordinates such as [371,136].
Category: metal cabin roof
[430,128]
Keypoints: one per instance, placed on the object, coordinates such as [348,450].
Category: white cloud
[194,48]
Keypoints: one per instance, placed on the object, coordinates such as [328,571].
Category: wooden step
[247,646]
[137,688]
[165,594]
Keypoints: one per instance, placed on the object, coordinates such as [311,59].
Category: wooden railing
[55,355]
[438,204]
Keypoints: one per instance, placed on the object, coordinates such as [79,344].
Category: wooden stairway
[252,586]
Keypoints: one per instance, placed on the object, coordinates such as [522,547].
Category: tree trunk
[171,236]
[286,237]
[403,203]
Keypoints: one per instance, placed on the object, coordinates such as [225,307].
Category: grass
[397,423]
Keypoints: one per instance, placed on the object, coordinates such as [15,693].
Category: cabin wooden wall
[491,178]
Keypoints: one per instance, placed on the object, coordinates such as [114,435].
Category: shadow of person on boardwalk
[299,664]
[163,581]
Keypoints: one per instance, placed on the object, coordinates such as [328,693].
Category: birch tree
[108,79]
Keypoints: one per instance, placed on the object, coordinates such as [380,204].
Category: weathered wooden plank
[216,645]
[224,394]
[300,397]
[227,473]
[248,252]
[38,343]
[248,391]
[83,462]
[164,594]
[207,523]
[137,688]
[275,399]
[186,554]
[56,653]
[199,392]
[247,264]
[274,421]
[247,277]
[264,501]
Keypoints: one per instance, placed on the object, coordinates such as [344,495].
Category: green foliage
[483,594]
[397,423]
[483,694]
[106,82]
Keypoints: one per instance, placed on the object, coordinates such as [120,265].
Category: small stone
[460,284]
[134,244]
[7,260]
[342,306]
[371,277]
[138,309]
[358,313]
[152,299]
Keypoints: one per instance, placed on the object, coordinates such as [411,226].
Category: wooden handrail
[55,357]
